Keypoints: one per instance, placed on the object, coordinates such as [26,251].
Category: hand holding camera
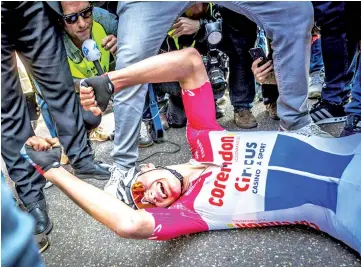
[185,26]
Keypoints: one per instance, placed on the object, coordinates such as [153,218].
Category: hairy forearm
[104,207]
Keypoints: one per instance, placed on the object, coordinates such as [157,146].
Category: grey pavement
[78,240]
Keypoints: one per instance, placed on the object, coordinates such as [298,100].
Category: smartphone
[256,53]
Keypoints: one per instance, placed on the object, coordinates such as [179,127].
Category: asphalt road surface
[78,240]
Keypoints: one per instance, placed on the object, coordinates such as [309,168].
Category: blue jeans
[316,63]
[18,247]
[354,107]
[339,45]
[144,25]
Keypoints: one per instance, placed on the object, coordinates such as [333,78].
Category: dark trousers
[316,63]
[339,27]
[239,35]
[28,31]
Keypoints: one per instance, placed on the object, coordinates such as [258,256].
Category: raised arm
[44,155]
[185,66]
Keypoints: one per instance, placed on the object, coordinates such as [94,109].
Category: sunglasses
[73,18]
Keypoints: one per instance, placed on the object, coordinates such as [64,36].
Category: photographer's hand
[185,26]
[261,73]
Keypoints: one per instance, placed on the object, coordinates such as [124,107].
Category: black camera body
[217,66]
[215,61]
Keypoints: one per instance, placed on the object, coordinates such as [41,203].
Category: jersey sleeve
[201,114]
[171,223]
[200,108]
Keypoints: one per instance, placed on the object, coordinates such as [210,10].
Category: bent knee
[193,57]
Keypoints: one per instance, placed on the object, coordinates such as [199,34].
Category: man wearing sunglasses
[81,21]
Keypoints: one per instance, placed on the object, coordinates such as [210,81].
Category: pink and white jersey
[259,179]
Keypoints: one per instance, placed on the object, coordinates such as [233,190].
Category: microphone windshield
[90,50]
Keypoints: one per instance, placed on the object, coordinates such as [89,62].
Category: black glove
[103,89]
[42,160]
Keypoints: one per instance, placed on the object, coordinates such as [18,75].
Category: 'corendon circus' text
[242,184]
[222,177]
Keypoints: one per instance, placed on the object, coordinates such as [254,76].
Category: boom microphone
[91,53]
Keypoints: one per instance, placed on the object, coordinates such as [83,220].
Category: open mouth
[161,189]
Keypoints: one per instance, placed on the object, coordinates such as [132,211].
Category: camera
[216,61]
[217,66]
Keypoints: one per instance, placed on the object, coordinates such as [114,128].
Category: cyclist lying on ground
[235,179]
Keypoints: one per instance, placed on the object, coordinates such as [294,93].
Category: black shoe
[93,170]
[37,210]
[351,126]
[219,112]
[323,112]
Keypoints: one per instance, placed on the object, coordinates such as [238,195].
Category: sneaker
[271,108]
[93,170]
[352,126]
[244,118]
[219,112]
[145,140]
[323,112]
[308,130]
[116,175]
[315,85]
[98,134]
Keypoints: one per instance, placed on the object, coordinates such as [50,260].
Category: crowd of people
[191,54]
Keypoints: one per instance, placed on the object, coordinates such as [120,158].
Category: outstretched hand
[43,154]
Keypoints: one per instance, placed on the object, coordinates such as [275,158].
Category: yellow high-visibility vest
[85,68]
